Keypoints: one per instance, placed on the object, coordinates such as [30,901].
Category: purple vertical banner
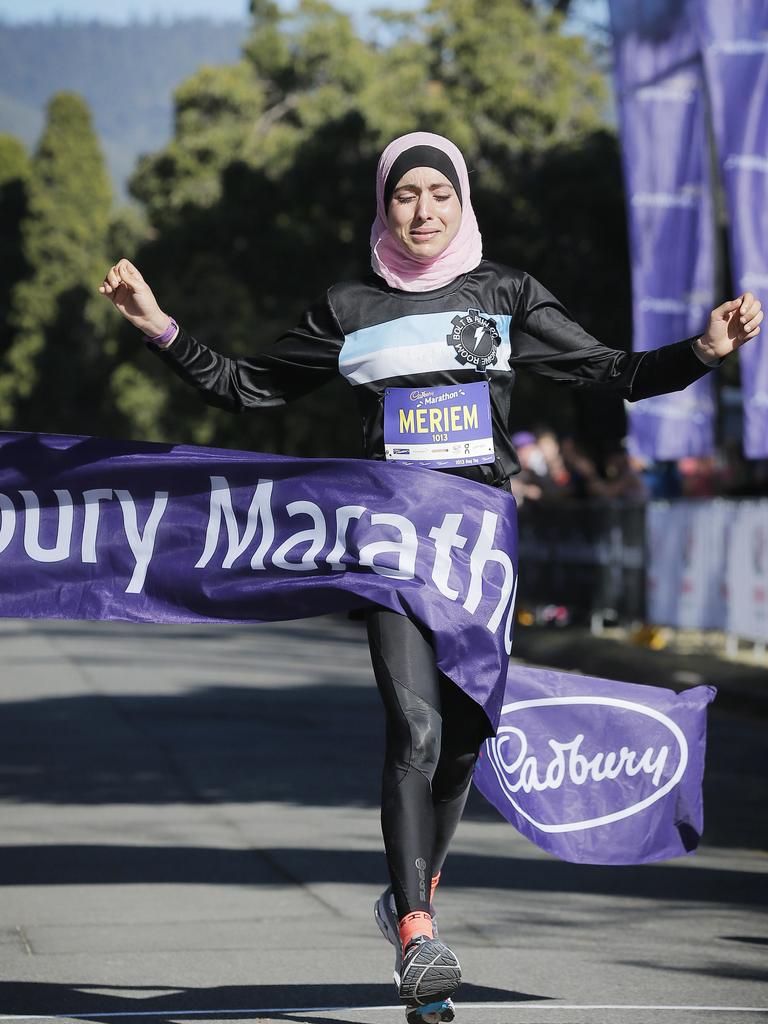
[665,153]
[734,43]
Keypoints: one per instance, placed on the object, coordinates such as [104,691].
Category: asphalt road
[189,831]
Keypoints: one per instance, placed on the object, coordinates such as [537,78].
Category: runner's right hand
[131,295]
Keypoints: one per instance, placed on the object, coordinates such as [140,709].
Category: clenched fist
[132,296]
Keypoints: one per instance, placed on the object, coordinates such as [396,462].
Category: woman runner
[433,314]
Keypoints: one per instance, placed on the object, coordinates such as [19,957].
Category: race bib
[438,427]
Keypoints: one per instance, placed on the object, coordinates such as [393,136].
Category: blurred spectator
[530,455]
[735,469]
[621,478]
[543,473]
[527,484]
[549,446]
[581,469]
[700,477]
[662,479]
[554,468]
[740,477]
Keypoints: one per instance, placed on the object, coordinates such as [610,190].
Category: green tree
[15,171]
[51,365]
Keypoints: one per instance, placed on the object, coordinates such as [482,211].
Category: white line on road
[518,1005]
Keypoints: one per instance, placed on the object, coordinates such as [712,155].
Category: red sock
[435,880]
[417,923]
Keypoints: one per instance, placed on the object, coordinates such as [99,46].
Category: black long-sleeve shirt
[482,326]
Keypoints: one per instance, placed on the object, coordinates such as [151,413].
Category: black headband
[420,156]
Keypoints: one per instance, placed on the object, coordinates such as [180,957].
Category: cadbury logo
[528,757]
[429,398]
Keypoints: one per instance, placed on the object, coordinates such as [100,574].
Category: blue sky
[45,10]
[168,10]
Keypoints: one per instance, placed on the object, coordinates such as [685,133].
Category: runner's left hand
[730,326]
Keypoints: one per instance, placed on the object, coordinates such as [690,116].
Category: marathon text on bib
[438,427]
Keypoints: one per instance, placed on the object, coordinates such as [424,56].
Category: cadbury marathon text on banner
[93,529]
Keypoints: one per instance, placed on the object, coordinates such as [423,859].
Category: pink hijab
[400,268]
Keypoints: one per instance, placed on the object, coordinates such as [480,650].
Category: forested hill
[127,74]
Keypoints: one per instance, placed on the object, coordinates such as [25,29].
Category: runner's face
[424,212]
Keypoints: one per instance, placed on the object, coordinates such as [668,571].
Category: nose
[424,206]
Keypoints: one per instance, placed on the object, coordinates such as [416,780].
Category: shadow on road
[313,745]
[264,1002]
[188,865]
[317,745]
[712,969]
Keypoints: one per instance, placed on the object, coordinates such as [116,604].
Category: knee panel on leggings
[465,726]
[413,733]
[453,775]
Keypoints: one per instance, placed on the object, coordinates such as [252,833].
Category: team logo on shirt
[476,340]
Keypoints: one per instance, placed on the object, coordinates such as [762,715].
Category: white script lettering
[482,553]
[260,510]
[142,544]
[569,764]
[315,535]
[404,549]
[32,544]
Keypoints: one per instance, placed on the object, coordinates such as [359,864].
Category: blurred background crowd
[555,468]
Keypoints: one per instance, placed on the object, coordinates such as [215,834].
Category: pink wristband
[162,339]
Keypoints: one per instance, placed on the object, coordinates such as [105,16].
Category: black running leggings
[433,734]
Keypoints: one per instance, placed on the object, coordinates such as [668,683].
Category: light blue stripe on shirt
[408,331]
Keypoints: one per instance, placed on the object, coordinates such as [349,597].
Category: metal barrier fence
[695,564]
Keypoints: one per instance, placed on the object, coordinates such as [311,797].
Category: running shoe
[385,912]
[386,918]
[441,1012]
[430,973]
